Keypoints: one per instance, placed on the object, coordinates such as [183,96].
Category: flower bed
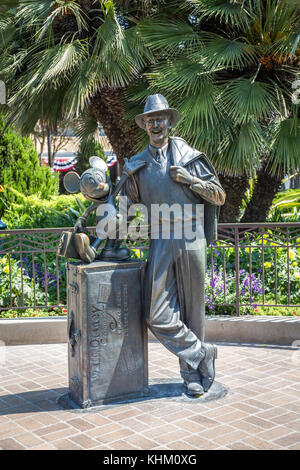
[269,273]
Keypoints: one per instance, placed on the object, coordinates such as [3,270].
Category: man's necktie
[159,156]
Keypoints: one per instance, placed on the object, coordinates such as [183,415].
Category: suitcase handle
[74,335]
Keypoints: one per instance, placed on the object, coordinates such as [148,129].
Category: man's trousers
[175,299]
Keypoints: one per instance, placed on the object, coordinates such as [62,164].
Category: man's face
[157,128]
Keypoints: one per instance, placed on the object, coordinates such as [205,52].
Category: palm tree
[229,70]
[227,65]
[67,58]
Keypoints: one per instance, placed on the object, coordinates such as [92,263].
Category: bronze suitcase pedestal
[107,333]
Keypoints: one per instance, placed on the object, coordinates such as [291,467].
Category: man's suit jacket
[198,165]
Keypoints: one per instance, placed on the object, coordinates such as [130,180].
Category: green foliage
[221,277]
[285,207]
[88,148]
[247,197]
[266,253]
[11,271]
[287,199]
[79,48]
[20,170]
[57,211]
[33,312]
[229,72]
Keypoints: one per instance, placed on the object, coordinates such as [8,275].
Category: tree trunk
[265,188]
[108,110]
[235,188]
[50,155]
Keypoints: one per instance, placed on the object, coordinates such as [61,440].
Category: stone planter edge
[245,329]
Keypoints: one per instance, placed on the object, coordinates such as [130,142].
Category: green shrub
[33,312]
[285,207]
[264,252]
[87,149]
[20,170]
[56,211]
[13,296]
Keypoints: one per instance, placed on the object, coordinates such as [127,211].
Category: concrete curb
[47,330]
[253,329]
[245,329]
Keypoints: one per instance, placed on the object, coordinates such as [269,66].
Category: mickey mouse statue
[95,185]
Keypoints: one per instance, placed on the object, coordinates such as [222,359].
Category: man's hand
[131,167]
[180,175]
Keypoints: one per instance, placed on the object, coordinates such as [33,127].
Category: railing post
[237,270]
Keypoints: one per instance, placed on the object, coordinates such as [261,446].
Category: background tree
[227,65]
[59,138]
[70,57]
[20,169]
[87,149]
[229,71]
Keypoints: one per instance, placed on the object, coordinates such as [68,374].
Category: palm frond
[287,45]
[84,83]
[134,46]
[167,36]
[116,57]
[181,77]
[16,3]
[280,18]
[204,138]
[240,150]
[285,145]
[230,12]
[7,31]
[58,62]
[32,13]
[38,16]
[245,99]
[287,199]
[110,34]
[200,110]
[86,126]
[219,52]
[26,111]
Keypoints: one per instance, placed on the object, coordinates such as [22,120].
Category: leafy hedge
[285,207]
[34,212]
[20,169]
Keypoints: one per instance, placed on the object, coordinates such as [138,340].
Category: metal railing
[250,265]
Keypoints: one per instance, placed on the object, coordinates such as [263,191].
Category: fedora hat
[155,104]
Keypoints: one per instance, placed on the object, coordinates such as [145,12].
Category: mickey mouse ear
[98,163]
[71,182]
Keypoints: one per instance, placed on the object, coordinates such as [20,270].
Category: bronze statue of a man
[175,275]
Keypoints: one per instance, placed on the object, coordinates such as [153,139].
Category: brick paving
[261,410]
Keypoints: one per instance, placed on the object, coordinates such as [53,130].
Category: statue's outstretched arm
[80,226]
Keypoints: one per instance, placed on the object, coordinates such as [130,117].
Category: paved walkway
[261,410]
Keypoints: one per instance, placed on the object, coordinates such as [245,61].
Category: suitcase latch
[74,335]
[74,287]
